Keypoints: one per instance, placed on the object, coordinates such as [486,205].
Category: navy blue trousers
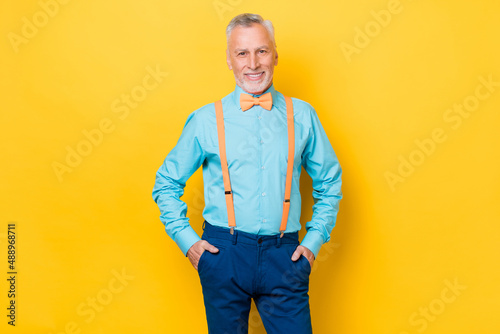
[248,267]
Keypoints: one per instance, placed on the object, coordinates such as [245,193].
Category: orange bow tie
[248,101]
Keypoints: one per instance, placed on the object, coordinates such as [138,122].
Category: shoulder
[303,106]
[301,109]
[204,111]
[207,112]
[202,114]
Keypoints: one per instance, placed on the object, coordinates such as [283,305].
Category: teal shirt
[256,150]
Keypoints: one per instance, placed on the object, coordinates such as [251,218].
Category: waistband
[218,232]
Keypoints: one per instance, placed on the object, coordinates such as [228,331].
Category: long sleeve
[321,163]
[256,145]
[182,161]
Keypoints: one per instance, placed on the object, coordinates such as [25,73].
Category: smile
[254,76]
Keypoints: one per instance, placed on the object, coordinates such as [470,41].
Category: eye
[262,51]
[242,53]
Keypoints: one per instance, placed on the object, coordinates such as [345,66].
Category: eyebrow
[257,48]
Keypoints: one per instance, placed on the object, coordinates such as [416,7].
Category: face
[251,56]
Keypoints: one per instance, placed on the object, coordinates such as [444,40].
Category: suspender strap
[225,171]
[289,167]
[223,163]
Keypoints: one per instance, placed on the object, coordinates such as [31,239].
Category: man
[252,145]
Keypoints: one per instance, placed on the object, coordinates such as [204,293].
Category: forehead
[249,37]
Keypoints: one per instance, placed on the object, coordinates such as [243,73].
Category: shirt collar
[238,90]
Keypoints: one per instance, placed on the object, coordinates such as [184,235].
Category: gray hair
[246,20]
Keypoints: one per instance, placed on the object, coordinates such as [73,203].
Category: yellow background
[395,249]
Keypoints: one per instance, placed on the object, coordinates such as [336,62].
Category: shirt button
[263,194]
[261,141]
[263,167]
[264,220]
[259,117]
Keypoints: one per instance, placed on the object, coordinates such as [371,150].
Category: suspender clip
[281,235]
[228,192]
[231,230]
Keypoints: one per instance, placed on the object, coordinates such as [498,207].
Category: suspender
[225,171]
[289,167]
[223,163]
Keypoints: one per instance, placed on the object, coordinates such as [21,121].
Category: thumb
[296,254]
[212,249]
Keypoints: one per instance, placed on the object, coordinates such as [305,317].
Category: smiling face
[251,56]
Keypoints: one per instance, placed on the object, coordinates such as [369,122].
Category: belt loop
[278,241]
[234,237]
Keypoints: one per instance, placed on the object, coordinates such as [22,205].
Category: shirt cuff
[313,240]
[186,238]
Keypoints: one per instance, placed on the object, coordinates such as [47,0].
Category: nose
[253,62]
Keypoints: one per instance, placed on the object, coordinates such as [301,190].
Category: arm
[182,161]
[321,163]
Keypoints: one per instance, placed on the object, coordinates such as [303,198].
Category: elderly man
[252,145]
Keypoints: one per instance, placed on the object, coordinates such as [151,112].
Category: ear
[275,57]
[228,60]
